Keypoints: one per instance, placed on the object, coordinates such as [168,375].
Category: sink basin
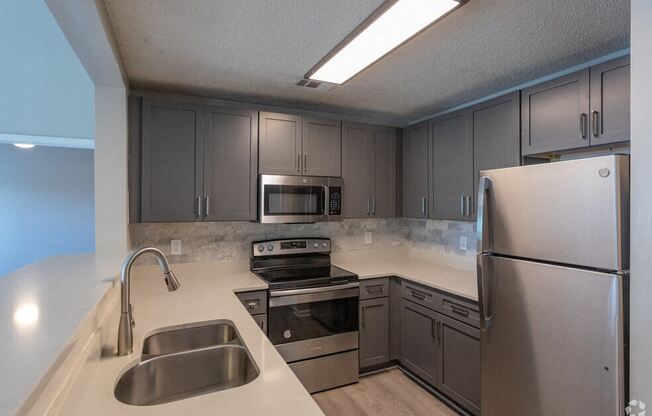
[181,375]
[173,340]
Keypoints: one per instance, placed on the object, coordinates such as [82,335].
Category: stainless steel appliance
[552,276]
[299,199]
[312,310]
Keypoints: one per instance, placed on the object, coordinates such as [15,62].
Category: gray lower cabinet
[374,331]
[610,92]
[495,136]
[415,171]
[369,170]
[451,178]
[171,161]
[279,144]
[256,304]
[419,341]
[322,147]
[230,164]
[554,114]
[459,355]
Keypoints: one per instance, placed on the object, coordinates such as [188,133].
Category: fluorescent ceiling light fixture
[24,145]
[390,26]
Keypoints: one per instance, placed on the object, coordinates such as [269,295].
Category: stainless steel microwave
[299,199]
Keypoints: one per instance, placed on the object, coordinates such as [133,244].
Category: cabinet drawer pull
[434,326]
[363,316]
[251,304]
[418,295]
[460,311]
[439,332]
[375,288]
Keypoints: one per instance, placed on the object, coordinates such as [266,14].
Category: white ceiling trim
[50,141]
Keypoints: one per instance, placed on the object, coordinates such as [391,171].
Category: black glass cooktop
[299,277]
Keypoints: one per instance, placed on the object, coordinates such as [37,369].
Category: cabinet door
[415,171]
[418,341]
[610,92]
[279,144]
[374,331]
[459,369]
[452,167]
[495,136]
[322,147]
[383,199]
[554,115]
[172,163]
[230,164]
[357,169]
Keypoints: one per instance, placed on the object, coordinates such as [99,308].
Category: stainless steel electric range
[313,310]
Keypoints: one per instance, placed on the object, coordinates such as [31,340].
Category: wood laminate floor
[390,393]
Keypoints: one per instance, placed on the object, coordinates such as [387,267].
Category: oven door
[288,199]
[306,323]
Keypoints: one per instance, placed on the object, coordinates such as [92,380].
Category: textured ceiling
[256,50]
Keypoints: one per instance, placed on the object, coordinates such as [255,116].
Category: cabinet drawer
[374,288]
[462,310]
[420,295]
[254,302]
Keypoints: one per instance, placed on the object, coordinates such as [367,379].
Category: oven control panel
[293,246]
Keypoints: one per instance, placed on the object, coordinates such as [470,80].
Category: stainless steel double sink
[181,362]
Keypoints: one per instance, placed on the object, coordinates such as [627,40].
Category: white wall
[641,200]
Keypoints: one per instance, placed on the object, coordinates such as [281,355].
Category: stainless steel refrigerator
[553,255]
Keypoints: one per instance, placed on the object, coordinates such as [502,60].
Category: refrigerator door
[571,212]
[554,345]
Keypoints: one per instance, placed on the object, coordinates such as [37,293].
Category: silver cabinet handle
[208,205]
[299,163]
[423,206]
[373,205]
[363,316]
[439,332]
[583,125]
[482,225]
[595,119]
[462,210]
[433,328]
[485,284]
[199,206]
[367,204]
[305,162]
[469,206]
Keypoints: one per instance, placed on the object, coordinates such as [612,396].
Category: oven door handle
[291,292]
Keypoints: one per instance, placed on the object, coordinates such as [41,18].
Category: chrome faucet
[125,329]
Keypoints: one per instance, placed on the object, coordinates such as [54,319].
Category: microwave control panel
[334,200]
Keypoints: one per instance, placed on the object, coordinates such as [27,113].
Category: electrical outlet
[464,242]
[175,247]
[368,237]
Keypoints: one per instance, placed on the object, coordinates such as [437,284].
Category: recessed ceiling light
[24,145]
[391,25]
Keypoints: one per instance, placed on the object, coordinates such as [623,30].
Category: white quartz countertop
[450,273]
[206,294]
[41,308]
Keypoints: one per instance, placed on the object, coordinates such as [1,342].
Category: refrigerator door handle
[482,224]
[485,285]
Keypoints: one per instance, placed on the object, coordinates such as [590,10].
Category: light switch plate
[464,243]
[175,247]
[368,237]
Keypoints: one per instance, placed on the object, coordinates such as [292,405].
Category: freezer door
[555,342]
[571,212]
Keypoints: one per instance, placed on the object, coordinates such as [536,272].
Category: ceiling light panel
[397,24]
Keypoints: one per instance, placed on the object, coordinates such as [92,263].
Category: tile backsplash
[212,241]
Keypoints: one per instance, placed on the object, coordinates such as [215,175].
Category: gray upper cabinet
[554,115]
[452,167]
[280,144]
[459,355]
[369,170]
[495,136]
[418,341]
[171,161]
[374,331]
[230,164]
[415,171]
[610,92]
[322,147]
[357,169]
[383,202]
